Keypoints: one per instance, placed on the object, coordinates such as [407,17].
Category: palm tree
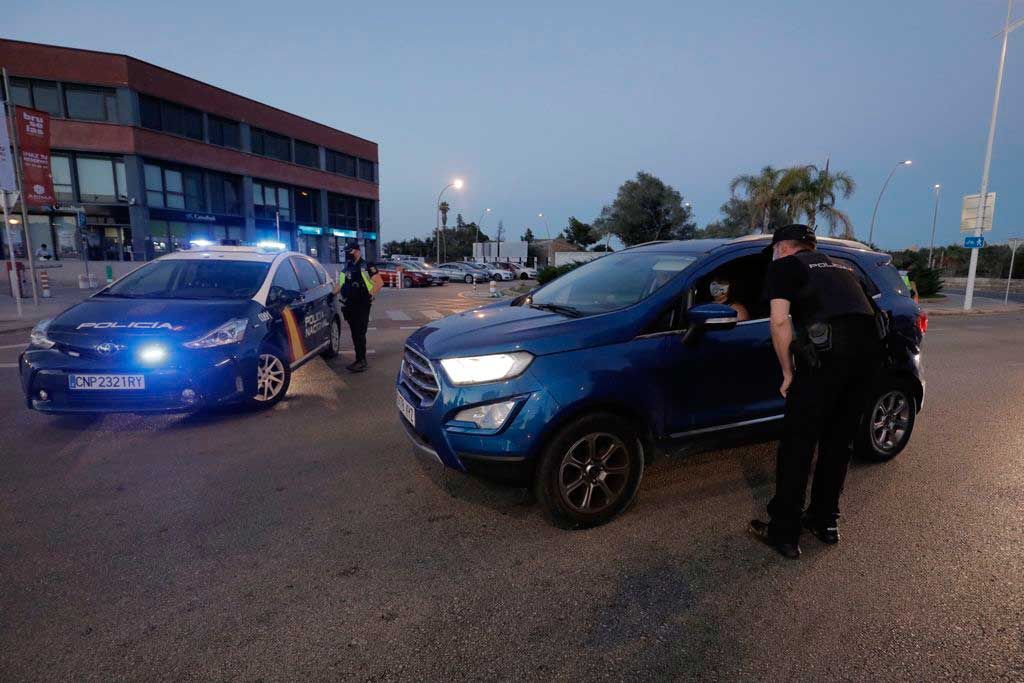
[763,193]
[813,192]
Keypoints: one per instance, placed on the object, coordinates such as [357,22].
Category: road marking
[398,315]
[8,365]
[432,314]
[14,346]
[409,327]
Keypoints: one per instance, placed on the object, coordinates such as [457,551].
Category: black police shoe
[759,530]
[358,366]
[826,533]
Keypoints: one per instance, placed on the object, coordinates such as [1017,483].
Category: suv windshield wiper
[569,311]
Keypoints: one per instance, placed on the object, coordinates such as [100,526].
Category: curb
[975,311]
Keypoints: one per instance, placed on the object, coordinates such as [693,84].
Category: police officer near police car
[827,334]
[359,282]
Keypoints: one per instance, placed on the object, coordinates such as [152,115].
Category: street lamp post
[871,233]
[457,184]
[983,198]
[479,221]
[935,216]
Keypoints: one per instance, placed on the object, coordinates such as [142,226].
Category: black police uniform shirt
[357,276]
[820,291]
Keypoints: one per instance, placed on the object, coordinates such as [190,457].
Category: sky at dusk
[549,106]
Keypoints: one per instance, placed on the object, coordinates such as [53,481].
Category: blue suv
[576,386]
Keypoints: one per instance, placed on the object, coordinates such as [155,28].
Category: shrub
[549,273]
[928,281]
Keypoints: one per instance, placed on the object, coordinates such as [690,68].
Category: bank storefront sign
[195,217]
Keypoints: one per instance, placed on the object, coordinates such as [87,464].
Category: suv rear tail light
[922,322]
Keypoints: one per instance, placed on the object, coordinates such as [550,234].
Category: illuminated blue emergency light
[275,246]
[201,243]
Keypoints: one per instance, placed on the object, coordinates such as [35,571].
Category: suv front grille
[418,376]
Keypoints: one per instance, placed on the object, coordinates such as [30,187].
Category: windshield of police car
[612,282]
[191,279]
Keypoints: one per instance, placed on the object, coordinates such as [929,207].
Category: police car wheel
[888,422]
[589,472]
[273,376]
[469,279]
[334,348]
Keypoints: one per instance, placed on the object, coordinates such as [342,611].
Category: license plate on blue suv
[107,382]
[406,409]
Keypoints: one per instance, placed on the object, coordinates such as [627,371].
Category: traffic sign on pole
[971,242]
[969,213]
[1014,242]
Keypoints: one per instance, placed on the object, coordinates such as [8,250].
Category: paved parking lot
[306,542]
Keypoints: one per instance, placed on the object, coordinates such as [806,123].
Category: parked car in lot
[461,270]
[518,271]
[441,277]
[574,387]
[191,330]
[389,270]
[493,271]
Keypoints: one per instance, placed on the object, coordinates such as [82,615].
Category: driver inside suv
[723,291]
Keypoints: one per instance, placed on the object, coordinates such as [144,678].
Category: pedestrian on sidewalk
[359,282]
[42,253]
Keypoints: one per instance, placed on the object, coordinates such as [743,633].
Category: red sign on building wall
[34,146]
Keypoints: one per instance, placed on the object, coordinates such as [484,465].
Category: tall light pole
[479,221]
[547,229]
[457,184]
[871,233]
[935,216]
[983,199]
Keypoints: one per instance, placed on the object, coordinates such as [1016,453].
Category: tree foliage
[579,233]
[646,209]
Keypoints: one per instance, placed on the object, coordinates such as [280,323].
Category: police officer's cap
[349,248]
[796,232]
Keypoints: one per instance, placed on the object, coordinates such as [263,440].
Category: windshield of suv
[611,282]
[191,279]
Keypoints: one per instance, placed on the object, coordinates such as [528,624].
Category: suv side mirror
[709,317]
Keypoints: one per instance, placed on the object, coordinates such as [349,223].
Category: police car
[205,327]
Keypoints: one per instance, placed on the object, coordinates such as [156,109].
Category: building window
[271,145]
[169,117]
[307,206]
[174,188]
[225,191]
[41,95]
[97,180]
[307,154]
[341,163]
[367,215]
[270,200]
[341,211]
[90,104]
[366,170]
[224,132]
[63,185]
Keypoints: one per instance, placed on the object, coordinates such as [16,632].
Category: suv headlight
[231,332]
[38,337]
[492,368]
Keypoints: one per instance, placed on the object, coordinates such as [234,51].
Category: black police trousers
[358,316]
[823,409]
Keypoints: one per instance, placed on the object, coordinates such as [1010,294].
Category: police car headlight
[492,368]
[38,338]
[231,332]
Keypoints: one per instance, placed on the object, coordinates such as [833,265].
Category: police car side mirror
[279,296]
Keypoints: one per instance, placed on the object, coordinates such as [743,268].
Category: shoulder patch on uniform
[265,316]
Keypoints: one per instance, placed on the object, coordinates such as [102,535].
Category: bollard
[92,281]
[399,277]
[44,283]
[494,290]
[110,274]
[83,282]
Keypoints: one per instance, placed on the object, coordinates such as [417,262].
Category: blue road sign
[974,242]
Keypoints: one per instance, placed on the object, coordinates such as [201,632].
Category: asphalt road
[306,542]
[988,293]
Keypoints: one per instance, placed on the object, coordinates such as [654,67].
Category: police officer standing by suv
[829,353]
[359,282]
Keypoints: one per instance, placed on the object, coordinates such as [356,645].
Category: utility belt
[847,336]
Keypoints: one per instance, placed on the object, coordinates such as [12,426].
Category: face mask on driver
[719,289]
